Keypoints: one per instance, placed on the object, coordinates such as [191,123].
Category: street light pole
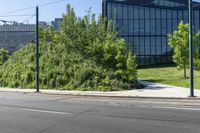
[37,49]
[191,48]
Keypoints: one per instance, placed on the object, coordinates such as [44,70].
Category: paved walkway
[151,90]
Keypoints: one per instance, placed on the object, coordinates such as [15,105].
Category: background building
[15,36]
[144,24]
[56,23]
[43,24]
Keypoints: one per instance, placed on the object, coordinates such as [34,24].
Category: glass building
[144,24]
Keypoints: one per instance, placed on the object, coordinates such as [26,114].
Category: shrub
[3,56]
[84,55]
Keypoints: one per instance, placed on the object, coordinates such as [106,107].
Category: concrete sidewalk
[152,90]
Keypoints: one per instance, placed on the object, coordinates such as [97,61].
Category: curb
[127,97]
[102,96]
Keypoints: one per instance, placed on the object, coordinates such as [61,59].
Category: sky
[197,0]
[48,12]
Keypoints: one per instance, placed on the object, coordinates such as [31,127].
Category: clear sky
[197,0]
[48,12]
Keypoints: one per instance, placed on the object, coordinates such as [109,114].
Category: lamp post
[37,49]
[191,49]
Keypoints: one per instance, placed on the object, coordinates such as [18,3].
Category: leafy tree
[179,41]
[85,54]
[3,56]
[131,67]
[47,34]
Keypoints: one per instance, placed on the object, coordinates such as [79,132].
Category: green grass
[168,75]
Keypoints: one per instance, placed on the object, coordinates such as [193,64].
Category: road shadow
[157,66]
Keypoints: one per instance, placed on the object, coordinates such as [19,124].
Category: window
[136,12]
[153,26]
[174,14]
[125,12]
[141,24]
[131,27]
[158,14]
[147,27]
[158,46]
[158,50]
[196,21]
[114,11]
[158,27]
[175,24]
[136,27]
[109,11]
[125,27]
[146,13]
[136,45]
[131,43]
[147,46]
[119,26]
[164,28]
[142,43]
[180,16]
[153,47]
[196,24]
[163,14]
[164,45]
[141,12]
[196,14]
[152,13]
[119,11]
[185,14]
[130,12]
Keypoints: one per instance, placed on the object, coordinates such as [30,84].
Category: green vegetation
[3,56]
[173,74]
[179,41]
[168,75]
[85,54]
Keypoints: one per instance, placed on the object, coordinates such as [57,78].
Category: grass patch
[168,75]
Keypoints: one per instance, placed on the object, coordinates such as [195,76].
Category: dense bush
[85,54]
[3,56]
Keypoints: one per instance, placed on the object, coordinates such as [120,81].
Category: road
[39,113]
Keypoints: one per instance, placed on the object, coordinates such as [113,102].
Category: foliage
[197,64]
[168,74]
[179,41]
[85,54]
[3,56]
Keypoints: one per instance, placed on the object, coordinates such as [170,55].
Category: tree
[179,41]
[3,56]
[85,54]
[98,40]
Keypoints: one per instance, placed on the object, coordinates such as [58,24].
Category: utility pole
[191,48]
[37,49]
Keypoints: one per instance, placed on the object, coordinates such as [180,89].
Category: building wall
[13,37]
[145,26]
[56,23]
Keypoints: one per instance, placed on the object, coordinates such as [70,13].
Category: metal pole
[191,49]
[37,49]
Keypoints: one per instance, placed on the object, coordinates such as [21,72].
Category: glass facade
[144,24]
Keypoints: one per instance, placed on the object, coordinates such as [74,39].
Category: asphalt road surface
[39,113]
